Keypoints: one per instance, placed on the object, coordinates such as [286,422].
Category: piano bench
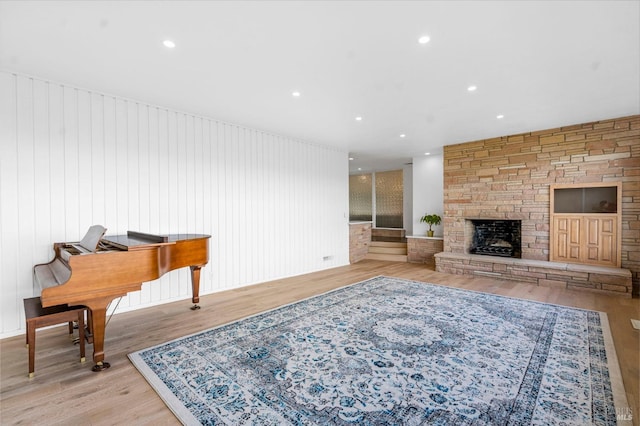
[37,317]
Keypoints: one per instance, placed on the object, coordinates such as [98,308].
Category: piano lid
[137,240]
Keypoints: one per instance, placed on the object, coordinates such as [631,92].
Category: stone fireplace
[508,178]
[491,237]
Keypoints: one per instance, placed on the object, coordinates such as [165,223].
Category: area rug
[388,351]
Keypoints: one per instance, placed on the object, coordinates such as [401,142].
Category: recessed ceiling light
[350,158]
[295,94]
[169,44]
[427,153]
[358,118]
[499,116]
[359,168]
[403,135]
[472,88]
[424,39]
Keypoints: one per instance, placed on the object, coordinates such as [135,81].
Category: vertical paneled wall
[70,158]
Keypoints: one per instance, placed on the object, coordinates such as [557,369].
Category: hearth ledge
[600,279]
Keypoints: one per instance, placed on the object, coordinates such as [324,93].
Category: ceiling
[541,64]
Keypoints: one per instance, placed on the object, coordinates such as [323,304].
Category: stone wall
[359,240]
[509,177]
[422,249]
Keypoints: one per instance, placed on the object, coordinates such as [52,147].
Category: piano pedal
[103,365]
[195,307]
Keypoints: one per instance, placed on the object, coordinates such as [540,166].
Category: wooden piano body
[122,264]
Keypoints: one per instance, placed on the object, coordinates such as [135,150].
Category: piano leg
[98,321]
[195,286]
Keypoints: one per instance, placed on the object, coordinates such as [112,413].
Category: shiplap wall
[70,158]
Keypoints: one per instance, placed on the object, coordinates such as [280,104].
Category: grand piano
[98,269]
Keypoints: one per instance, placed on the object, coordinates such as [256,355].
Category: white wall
[70,158]
[407,199]
[428,192]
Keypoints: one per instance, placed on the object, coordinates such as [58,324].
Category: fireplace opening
[495,237]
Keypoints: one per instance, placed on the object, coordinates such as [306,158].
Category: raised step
[387,247]
[572,276]
[389,257]
[388,250]
[385,250]
[388,244]
[387,232]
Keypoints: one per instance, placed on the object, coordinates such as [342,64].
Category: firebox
[491,237]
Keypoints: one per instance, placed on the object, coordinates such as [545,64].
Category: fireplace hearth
[491,237]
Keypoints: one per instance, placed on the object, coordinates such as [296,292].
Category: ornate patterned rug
[388,351]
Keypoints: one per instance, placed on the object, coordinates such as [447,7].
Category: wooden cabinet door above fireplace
[585,224]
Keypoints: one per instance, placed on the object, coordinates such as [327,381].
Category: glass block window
[389,200]
[360,198]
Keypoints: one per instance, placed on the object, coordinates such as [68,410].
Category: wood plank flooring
[67,392]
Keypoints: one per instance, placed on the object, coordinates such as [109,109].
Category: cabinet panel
[593,231]
[567,238]
[574,231]
[585,223]
[584,239]
[561,242]
[601,239]
[608,249]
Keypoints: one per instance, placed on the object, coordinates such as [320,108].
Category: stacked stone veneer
[422,249]
[616,281]
[359,240]
[509,177]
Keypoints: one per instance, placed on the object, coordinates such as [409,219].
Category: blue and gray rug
[388,351]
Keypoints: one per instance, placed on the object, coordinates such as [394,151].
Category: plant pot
[429,233]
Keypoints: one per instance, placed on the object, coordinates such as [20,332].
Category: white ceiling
[542,64]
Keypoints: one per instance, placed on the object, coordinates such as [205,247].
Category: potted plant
[431,219]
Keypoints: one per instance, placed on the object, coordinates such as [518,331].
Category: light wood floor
[67,392]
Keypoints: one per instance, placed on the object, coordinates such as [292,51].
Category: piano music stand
[37,317]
